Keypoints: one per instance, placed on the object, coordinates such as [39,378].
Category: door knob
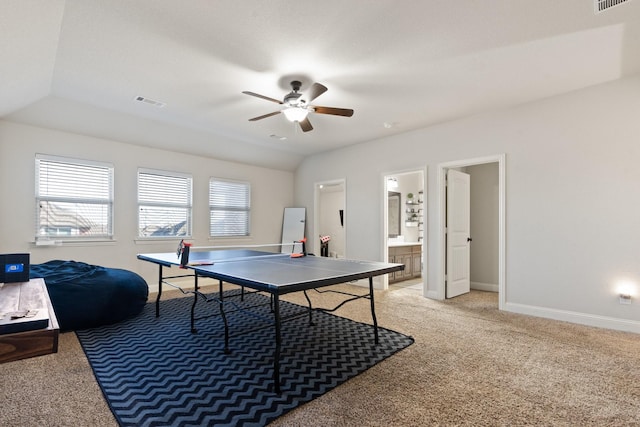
[469,239]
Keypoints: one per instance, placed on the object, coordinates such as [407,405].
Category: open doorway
[404,224]
[485,267]
[330,219]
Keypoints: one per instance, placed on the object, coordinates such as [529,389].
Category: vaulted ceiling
[78,65]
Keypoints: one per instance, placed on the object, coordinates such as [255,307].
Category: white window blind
[230,208]
[74,199]
[164,204]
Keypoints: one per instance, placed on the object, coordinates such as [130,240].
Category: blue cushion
[85,296]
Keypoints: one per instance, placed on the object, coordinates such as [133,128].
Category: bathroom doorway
[404,225]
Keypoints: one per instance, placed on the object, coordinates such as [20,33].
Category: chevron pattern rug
[155,372]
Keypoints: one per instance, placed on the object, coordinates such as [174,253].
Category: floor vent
[150,101]
[602,5]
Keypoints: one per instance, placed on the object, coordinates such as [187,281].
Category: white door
[458,233]
[292,229]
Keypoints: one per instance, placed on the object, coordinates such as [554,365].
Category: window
[74,199]
[230,208]
[164,204]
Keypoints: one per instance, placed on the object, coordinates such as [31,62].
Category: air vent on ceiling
[150,101]
[602,5]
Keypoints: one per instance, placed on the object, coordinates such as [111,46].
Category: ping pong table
[276,274]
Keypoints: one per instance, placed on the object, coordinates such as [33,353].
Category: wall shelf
[414,212]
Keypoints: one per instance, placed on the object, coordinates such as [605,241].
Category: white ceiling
[77,65]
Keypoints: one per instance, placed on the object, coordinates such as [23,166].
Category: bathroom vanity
[409,254]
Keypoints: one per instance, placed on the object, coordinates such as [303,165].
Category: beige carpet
[470,365]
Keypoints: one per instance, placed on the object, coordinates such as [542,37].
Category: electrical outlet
[625,299]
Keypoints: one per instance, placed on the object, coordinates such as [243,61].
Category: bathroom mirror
[394,215]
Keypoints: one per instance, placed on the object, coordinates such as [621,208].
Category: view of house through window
[230,208]
[164,204]
[74,199]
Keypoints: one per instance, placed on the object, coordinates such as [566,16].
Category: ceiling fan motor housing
[292,98]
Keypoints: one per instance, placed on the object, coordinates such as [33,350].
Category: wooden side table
[28,324]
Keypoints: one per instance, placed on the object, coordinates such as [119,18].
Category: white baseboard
[488,287]
[575,317]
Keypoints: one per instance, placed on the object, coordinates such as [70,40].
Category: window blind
[74,198]
[230,207]
[164,204]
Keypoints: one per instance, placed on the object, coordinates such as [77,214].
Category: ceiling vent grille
[602,5]
[150,101]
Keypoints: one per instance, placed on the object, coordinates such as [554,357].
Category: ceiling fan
[296,108]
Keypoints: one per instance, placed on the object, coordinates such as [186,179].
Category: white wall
[572,207]
[271,192]
[484,226]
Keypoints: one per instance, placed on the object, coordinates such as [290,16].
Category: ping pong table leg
[220,300]
[193,306]
[373,310]
[227,350]
[310,308]
[159,291]
[276,353]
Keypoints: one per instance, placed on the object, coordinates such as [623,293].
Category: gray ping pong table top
[275,272]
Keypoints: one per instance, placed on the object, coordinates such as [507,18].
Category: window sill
[78,243]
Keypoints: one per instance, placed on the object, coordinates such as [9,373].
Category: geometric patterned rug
[155,372]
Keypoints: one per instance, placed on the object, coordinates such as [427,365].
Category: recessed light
[281,138]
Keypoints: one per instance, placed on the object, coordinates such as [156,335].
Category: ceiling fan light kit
[295,114]
[296,109]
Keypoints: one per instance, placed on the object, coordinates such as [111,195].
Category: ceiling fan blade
[315,91]
[305,125]
[334,111]
[246,92]
[264,116]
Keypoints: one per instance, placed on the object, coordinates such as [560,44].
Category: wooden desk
[34,335]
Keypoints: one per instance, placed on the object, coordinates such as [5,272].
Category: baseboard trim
[575,317]
[488,287]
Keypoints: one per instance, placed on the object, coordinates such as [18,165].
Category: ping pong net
[184,251]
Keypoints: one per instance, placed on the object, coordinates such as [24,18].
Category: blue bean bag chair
[86,296]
